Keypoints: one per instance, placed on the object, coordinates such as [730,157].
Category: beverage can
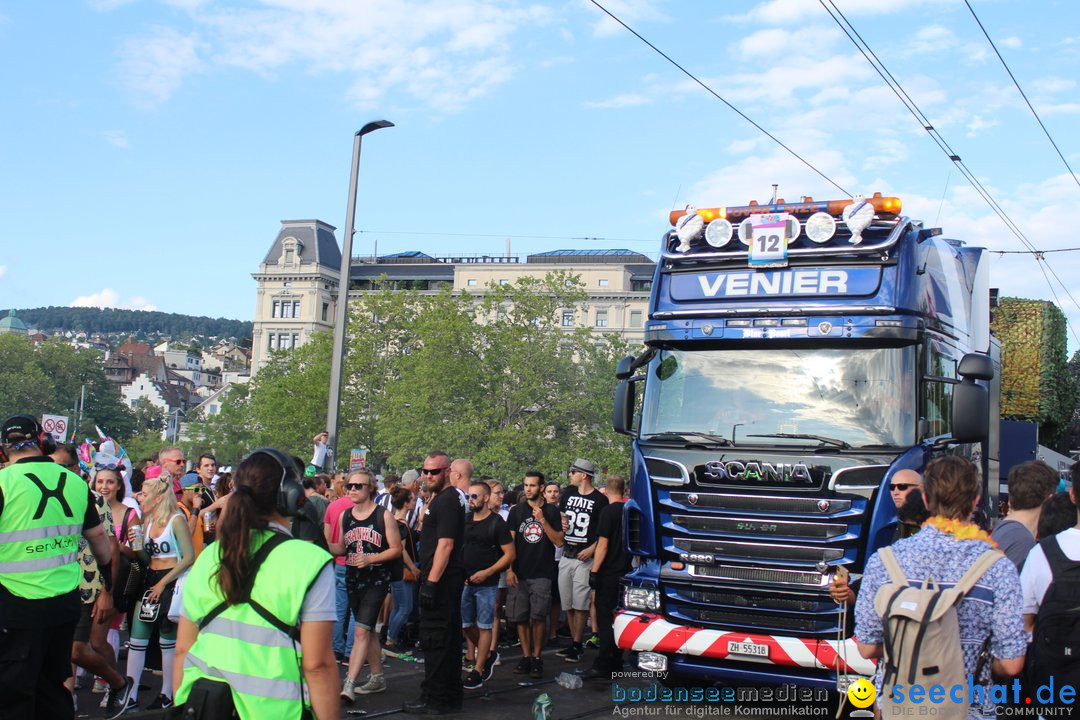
[137,537]
[208,520]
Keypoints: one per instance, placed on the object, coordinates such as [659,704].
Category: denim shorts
[478,606]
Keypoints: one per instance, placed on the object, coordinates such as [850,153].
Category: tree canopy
[493,378]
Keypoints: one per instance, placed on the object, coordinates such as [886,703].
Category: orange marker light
[884,207]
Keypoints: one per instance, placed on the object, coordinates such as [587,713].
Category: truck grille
[759,526]
[759,551]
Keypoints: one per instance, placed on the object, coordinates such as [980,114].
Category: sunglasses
[902,487]
[475,496]
[432,471]
[356,486]
[101,466]
[175,460]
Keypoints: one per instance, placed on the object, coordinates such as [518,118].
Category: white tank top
[165,544]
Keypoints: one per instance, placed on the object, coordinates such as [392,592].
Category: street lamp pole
[337,358]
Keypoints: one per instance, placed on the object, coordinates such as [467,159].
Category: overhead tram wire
[849,29]
[1022,93]
[512,236]
[716,95]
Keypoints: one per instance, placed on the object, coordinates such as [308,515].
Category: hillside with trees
[138,323]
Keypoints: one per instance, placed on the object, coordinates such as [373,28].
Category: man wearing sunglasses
[442,579]
[489,549]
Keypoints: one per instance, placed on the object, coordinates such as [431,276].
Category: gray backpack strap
[976,571]
[890,563]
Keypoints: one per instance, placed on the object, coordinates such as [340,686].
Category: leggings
[140,638]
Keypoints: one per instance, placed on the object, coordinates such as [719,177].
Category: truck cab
[797,356]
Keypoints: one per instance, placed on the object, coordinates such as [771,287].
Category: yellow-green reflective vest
[42,519]
[260,663]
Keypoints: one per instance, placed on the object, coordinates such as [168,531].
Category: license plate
[747,648]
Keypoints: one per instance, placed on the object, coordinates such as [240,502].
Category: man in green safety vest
[44,507]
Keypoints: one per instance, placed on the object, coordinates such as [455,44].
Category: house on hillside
[173,400]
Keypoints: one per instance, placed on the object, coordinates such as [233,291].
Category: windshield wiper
[803,436]
[685,435]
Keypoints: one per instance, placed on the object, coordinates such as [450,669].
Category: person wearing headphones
[258,609]
[44,508]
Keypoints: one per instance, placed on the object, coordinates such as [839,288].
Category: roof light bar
[884,207]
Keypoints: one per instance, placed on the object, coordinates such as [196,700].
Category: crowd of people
[435,567]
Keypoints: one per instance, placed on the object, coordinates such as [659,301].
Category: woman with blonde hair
[167,551]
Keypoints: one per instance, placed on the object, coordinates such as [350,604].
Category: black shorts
[366,602]
[86,621]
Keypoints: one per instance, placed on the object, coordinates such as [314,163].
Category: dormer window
[290,251]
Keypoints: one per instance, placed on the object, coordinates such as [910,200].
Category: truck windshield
[859,396]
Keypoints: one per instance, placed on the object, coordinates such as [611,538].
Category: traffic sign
[55,425]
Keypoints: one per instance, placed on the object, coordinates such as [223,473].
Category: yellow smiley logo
[861,693]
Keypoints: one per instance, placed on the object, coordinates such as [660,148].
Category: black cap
[21,427]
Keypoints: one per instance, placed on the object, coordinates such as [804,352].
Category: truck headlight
[640,598]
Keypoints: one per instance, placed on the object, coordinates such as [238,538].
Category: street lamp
[337,359]
[733,429]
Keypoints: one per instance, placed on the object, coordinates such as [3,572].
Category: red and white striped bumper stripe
[647,632]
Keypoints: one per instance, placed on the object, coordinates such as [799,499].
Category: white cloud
[781,12]
[155,66]
[117,139]
[444,54]
[977,123]
[1012,42]
[629,11]
[620,101]
[3,270]
[109,298]
[1052,84]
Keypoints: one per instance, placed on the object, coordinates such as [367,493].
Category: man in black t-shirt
[610,563]
[581,506]
[442,575]
[489,549]
[534,526]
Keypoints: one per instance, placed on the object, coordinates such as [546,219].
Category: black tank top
[364,537]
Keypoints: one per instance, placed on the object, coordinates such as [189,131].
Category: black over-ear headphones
[45,441]
[290,492]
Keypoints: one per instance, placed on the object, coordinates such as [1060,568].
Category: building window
[471,282]
[286,309]
[271,342]
[289,254]
[296,309]
[134,403]
[504,281]
[295,340]
[635,318]
[277,310]
[325,311]
[602,282]
[601,318]
[568,318]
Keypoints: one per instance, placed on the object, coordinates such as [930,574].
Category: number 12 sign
[768,240]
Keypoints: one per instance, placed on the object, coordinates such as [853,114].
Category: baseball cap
[585,466]
[22,427]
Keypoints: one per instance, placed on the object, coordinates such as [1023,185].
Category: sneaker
[524,666]
[375,684]
[160,703]
[467,664]
[347,694]
[100,686]
[572,654]
[488,670]
[565,651]
[473,681]
[494,659]
[593,642]
[537,668]
[121,700]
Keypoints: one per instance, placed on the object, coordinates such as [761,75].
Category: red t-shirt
[333,519]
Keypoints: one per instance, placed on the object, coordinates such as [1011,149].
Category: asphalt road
[509,696]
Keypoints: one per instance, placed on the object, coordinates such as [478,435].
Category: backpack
[1054,655]
[922,637]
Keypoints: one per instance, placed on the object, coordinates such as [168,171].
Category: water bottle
[568,680]
[542,707]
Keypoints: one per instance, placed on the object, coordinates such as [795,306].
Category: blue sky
[151,147]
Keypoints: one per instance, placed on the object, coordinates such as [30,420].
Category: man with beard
[442,579]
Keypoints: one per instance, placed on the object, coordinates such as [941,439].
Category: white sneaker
[376,683]
[347,693]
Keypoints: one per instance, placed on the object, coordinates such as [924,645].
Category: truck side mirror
[971,401]
[622,416]
[625,368]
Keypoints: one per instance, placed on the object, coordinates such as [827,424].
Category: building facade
[297,284]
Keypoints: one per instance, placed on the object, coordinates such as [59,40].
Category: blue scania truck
[797,356]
